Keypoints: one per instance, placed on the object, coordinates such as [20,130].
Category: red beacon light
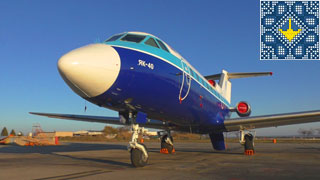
[243,109]
[212,82]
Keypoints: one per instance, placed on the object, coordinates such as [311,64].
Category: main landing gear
[247,140]
[138,151]
[166,142]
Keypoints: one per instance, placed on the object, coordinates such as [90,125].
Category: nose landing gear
[138,151]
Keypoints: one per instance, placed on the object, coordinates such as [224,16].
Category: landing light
[243,109]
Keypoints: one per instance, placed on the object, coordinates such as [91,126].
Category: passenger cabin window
[197,77]
[162,45]
[152,42]
[191,72]
[133,38]
[115,37]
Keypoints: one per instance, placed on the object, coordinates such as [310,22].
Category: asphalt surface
[191,161]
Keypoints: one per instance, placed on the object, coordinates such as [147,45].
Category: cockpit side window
[115,37]
[133,38]
[152,42]
[162,45]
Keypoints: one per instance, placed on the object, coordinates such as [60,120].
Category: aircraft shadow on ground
[70,147]
[234,150]
[78,147]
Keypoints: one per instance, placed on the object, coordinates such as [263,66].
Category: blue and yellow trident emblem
[289,30]
[290,33]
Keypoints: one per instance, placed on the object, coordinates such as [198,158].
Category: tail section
[225,84]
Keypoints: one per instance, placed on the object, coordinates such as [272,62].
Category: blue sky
[211,35]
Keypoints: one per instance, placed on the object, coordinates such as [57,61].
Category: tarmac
[191,161]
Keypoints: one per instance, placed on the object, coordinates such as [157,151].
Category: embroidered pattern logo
[289,30]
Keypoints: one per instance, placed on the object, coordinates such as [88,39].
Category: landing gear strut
[166,143]
[247,140]
[138,151]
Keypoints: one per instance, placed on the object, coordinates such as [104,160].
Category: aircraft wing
[274,120]
[100,119]
[238,75]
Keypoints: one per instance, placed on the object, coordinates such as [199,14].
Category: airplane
[151,85]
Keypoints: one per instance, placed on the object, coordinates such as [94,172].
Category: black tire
[137,159]
[248,145]
[166,145]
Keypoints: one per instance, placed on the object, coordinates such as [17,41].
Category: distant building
[88,133]
[80,133]
[63,134]
[45,134]
[95,133]
[56,134]
[69,133]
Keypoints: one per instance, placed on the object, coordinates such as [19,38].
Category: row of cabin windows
[195,75]
[139,38]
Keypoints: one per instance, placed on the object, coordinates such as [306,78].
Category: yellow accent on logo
[290,33]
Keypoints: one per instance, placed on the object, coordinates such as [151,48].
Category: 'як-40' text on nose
[145,64]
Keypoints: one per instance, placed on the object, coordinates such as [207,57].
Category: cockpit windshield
[115,37]
[133,38]
[162,45]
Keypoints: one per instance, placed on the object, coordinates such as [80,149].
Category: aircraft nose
[90,70]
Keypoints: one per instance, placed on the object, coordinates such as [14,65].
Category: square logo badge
[289,30]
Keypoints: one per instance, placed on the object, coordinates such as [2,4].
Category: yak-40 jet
[153,86]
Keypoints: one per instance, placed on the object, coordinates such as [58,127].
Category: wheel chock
[164,151]
[249,152]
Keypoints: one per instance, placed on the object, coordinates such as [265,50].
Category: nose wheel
[138,158]
[138,151]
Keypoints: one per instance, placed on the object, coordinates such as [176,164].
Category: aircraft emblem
[290,33]
[289,30]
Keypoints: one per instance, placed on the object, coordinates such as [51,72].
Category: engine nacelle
[243,109]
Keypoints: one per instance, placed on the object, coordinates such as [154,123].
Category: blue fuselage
[150,82]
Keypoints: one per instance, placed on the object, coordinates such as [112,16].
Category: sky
[211,35]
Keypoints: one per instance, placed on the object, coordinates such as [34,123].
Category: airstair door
[186,81]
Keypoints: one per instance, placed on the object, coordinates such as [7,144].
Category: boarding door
[186,81]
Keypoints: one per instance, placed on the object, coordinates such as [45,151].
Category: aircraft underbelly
[151,85]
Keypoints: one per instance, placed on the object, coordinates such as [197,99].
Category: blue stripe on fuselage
[169,58]
[156,93]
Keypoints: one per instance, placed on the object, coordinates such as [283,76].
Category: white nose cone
[90,70]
